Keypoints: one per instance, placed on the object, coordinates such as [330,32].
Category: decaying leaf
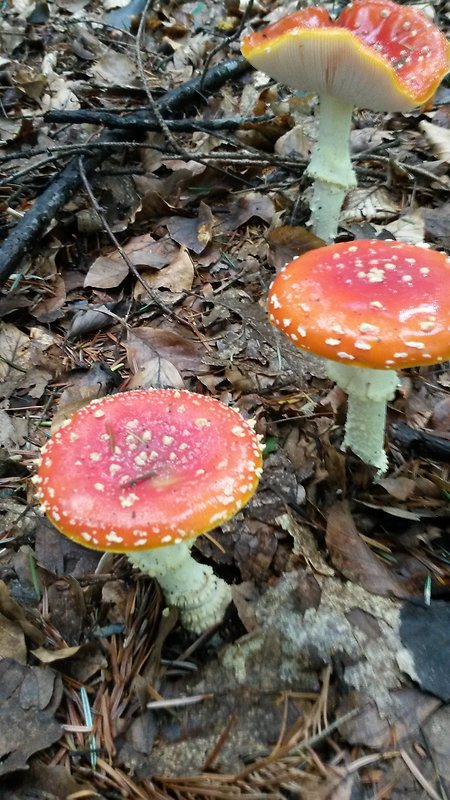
[29,697]
[354,558]
[286,242]
[151,354]
[305,544]
[49,656]
[114,69]
[12,640]
[18,357]
[11,609]
[178,276]
[364,205]
[438,137]
[251,204]
[193,233]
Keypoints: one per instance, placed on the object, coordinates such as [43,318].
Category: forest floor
[143,218]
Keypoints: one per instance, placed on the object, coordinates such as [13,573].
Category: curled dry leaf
[17,363]
[365,205]
[247,206]
[409,228]
[12,640]
[289,241]
[157,356]
[83,387]
[401,488]
[12,611]
[49,656]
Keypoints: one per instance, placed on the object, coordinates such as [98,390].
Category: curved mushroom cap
[145,469]
[369,303]
[377,54]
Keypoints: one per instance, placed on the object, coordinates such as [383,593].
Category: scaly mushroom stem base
[368,392]
[330,166]
[199,595]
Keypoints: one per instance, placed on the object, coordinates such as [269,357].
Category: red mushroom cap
[377,54]
[368,303]
[149,468]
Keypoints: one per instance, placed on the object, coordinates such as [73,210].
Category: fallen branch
[420,443]
[26,235]
[130,123]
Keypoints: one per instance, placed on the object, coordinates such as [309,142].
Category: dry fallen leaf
[178,276]
[12,640]
[49,656]
[17,363]
[114,69]
[366,205]
[438,138]
[305,545]
[354,559]
[151,353]
[29,698]
[286,242]
[193,233]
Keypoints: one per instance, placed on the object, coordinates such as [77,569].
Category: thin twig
[414,769]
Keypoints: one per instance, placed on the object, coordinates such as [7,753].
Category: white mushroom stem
[200,596]
[330,166]
[368,391]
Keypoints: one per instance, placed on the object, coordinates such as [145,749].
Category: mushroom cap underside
[376,55]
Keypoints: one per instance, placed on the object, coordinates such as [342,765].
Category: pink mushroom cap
[149,468]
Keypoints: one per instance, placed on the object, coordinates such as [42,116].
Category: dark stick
[130,123]
[27,233]
[189,93]
[420,443]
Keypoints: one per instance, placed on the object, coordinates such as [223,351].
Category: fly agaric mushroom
[146,472]
[377,55]
[368,307]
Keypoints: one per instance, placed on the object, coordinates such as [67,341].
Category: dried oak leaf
[29,698]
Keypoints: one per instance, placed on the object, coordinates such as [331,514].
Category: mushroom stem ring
[203,601]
